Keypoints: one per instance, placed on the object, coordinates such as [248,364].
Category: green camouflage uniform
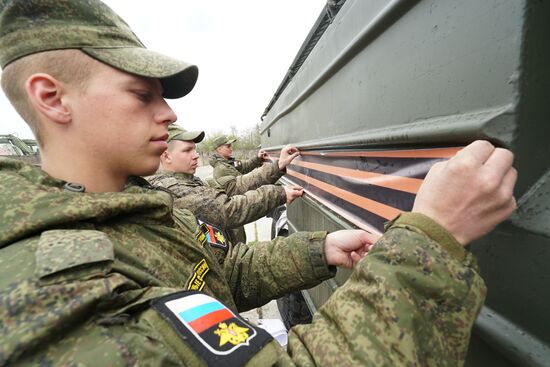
[86,278]
[232,167]
[78,272]
[246,200]
[268,173]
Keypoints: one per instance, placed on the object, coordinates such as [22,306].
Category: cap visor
[177,77]
[199,136]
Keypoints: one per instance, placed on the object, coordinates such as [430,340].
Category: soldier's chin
[147,170]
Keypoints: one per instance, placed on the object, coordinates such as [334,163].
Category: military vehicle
[381,90]
[32,144]
[13,147]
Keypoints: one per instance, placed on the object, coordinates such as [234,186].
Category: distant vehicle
[379,92]
[32,144]
[13,147]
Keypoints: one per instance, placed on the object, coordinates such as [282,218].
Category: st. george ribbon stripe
[371,187]
[352,212]
[406,184]
[395,198]
[380,209]
[397,153]
[405,167]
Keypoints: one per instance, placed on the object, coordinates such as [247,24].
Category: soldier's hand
[293,192]
[346,248]
[470,193]
[263,155]
[288,154]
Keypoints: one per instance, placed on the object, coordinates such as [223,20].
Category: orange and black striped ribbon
[368,188]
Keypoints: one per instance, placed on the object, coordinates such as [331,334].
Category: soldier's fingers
[373,237]
[500,162]
[364,250]
[476,153]
[294,155]
[509,181]
[367,238]
[355,258]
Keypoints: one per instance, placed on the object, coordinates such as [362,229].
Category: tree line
[248,140]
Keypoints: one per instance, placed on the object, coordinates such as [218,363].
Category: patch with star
[217,334]
[214,236]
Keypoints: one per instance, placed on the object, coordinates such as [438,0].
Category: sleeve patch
[218,335]
[212,235]
[196,283]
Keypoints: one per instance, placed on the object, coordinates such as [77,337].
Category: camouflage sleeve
[216,207]
[411,302]
[173,184]
[224,169]
[249,164]
[264,175]
[264,271]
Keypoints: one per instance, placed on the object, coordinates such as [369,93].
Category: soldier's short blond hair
[72,67]
[171,146]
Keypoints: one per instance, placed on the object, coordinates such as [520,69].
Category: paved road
[259,230]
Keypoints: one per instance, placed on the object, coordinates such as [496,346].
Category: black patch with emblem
[214,236]
[217,334]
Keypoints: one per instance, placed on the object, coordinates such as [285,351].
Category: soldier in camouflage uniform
[225,164]
[246,200]
[98,268]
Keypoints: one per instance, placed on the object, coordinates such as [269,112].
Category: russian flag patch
[216,333]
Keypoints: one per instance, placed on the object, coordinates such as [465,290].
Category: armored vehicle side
[380,91]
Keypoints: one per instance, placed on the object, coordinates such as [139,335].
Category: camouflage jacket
[87,279]
[268,173]
[216,207]
[232,167]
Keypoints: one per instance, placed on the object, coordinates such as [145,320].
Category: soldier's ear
[45,94]
[165,157]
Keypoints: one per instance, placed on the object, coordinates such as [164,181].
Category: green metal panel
[433,73]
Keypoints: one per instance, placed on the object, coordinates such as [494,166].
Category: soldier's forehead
[185,143]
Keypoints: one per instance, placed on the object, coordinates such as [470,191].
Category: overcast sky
[242,48]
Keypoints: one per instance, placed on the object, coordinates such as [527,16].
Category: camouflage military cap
[32,26]
[176,132]
[222,140]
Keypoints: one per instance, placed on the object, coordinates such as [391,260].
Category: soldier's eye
[143,96]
